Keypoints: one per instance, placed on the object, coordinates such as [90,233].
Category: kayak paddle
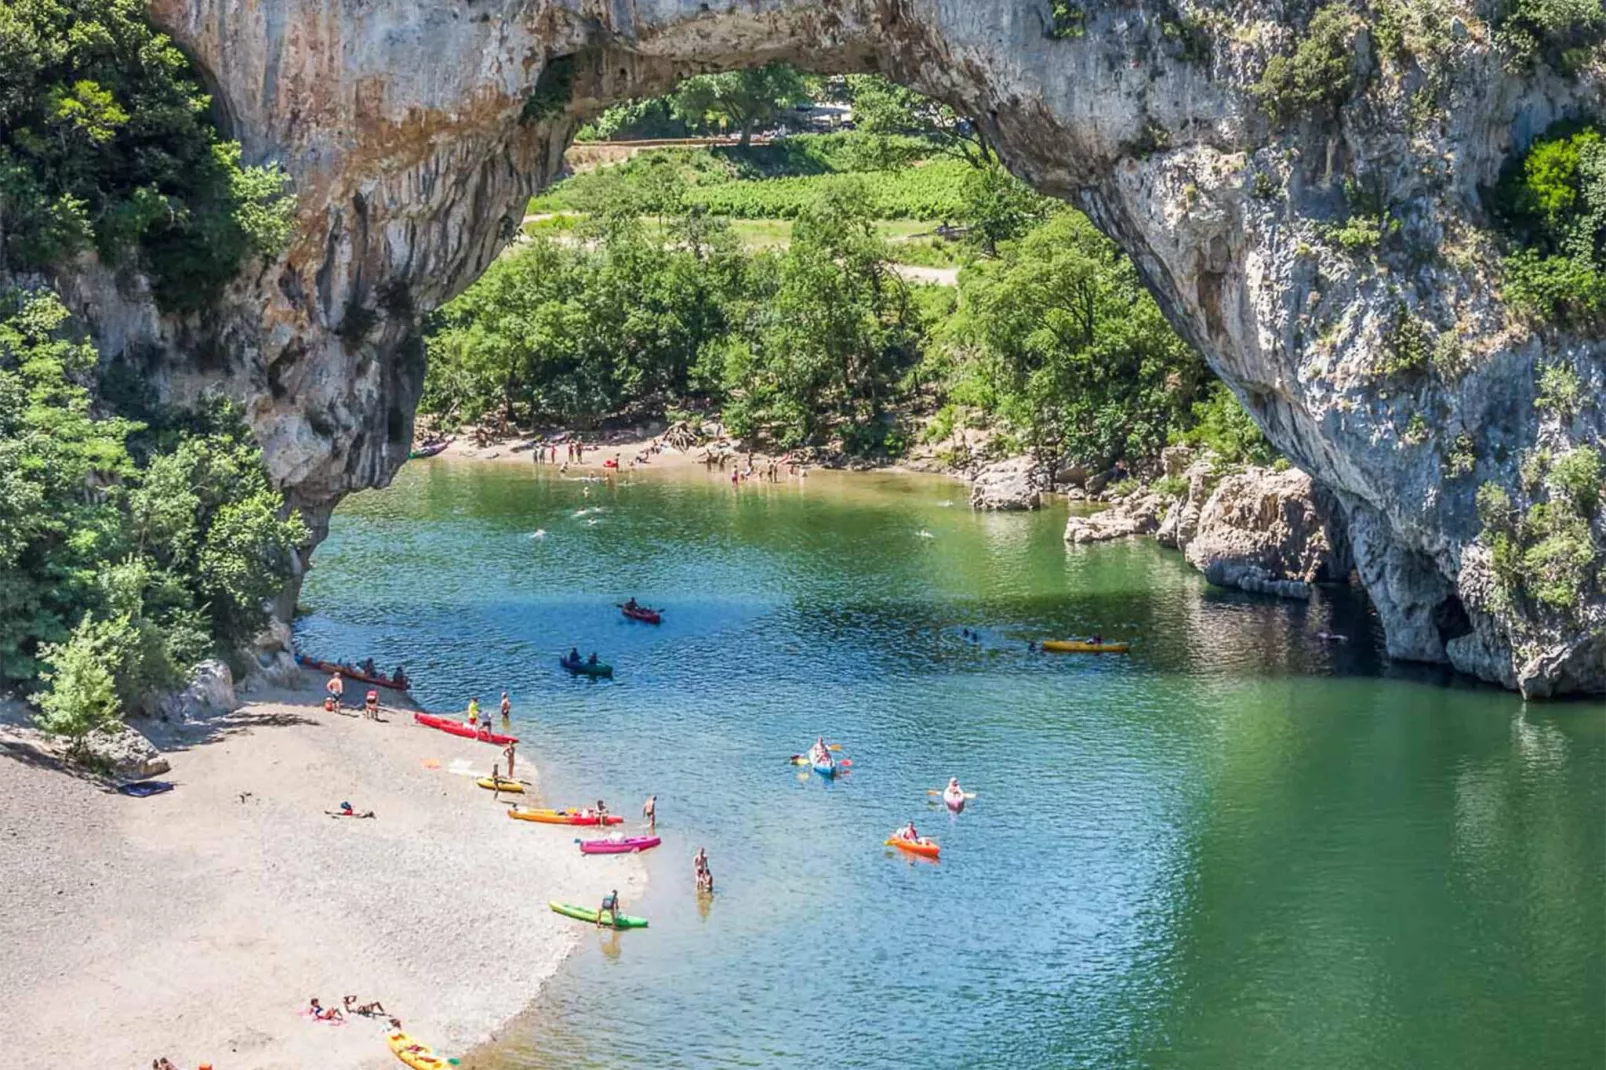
[939,791]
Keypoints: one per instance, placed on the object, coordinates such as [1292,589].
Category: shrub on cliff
[1320,74]
[1552,202]
[105,143]
[150,543]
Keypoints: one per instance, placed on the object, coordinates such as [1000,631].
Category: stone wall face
[415,132]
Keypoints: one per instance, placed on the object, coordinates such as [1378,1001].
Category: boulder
[1139,515]
[1265,531]
[273,661]
[210,691]
[1009,484]
[1176,459]
[128,754]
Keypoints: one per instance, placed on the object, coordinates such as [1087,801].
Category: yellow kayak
[416,1055]
[500,785]
[1078,646]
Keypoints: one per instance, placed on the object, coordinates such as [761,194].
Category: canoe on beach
[416,1055]
[622,846]
[582,914]
[1079,646]
[586,668]
[561,817]
[350,672]
[458,728]
[502,784]
[428,451]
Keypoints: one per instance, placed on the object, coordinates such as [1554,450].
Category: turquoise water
[1237,847]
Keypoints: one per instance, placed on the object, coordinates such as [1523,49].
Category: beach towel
[140,789]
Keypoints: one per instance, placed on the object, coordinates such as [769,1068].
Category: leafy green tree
[744,99]
[80,694]
[105,143]
[1553,202]
[907,120]
[998,207]
[1060,340]
[1320,75]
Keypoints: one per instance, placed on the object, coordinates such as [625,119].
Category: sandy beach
[197,923]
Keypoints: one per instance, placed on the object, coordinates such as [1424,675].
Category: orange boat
[923,847]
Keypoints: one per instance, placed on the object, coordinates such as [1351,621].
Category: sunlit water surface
[1237,847]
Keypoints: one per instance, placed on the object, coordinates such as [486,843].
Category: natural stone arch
[415,132]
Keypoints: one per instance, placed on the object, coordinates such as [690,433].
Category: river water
[1237,847]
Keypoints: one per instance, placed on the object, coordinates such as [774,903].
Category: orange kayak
[923,848]
[561,817]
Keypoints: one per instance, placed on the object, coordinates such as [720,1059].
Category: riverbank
[196,924]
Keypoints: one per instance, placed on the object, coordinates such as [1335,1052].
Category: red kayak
[642,613]
[458,728]
[350,672]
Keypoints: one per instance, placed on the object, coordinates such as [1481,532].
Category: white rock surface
[1008,484]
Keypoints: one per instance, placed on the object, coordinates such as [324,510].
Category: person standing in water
[649,810]
[507,709]
[474,710]
[610,907]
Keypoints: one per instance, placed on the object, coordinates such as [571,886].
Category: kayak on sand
[622,846]
[458,728]
[625,921]
[1079,646]
[586,668]
[416,1055]
[500,785]
[562,817]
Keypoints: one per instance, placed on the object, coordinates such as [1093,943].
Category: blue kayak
[825,769]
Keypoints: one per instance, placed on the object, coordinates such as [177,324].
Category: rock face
[1010,484]
[415,132]
[1139,515]
[1267,532]
[210,691]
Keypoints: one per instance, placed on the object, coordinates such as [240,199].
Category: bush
[1170,487]
[1552,205]
[1320,75]
[1576,478]
[1225,426]
[80,695]
[1558,390]
[1561,32]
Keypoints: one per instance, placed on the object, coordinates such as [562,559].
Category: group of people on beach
[547,453]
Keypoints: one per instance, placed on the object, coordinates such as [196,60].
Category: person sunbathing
[346,811]
[333,1014]
[368,1010]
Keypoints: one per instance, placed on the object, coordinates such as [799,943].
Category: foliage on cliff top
[105,143]
[1320,74]
[1563,33]
[143,544]
[1553,203]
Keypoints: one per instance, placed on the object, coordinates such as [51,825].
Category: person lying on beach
[162,1064]
[367,1010]
[346,811]
[333,1014]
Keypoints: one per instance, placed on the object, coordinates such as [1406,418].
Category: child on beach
[474,710]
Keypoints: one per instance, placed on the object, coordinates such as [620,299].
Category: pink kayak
[623,846]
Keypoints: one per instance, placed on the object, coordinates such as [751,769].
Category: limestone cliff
[415,131]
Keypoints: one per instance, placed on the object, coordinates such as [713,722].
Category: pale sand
[196,925]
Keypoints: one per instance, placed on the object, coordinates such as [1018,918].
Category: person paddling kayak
[953,795]
[908,833]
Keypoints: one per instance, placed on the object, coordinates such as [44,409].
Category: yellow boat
[416,1055]
[1079,646]
[500,785]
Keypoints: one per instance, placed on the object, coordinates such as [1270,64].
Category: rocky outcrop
[126,753]
[1137,515]
[1267,532]
[414,133]
[210,691]
[1006,485]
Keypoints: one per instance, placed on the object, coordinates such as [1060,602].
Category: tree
[745,99]
[1060,339]
[887,110]
[80,695]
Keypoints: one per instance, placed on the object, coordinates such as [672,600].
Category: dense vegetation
[129,550]
[649,303]
[105,144]
[1553,201]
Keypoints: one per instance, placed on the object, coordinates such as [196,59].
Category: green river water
[1237,847]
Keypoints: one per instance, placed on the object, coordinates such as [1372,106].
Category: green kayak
[586,668]
[582,914]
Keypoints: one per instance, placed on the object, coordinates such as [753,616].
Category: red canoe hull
[458,728]
[650,616]
[349,672]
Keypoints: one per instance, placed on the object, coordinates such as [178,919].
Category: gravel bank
[197,923]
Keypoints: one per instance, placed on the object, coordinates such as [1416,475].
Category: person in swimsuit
[699,862]
[908,833]
[507,752]
[507,712]
[331,1015]
[367,1010]
[399,678]
[610,907]
[370,705]
[649,810]
[705,881]
[336,687]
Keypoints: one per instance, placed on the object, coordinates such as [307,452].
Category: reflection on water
[1236,847]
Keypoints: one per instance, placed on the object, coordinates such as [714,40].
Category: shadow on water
[1238,846]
